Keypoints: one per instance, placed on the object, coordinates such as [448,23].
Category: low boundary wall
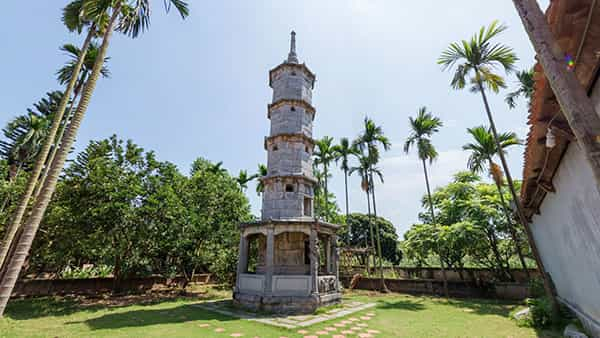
[94,286]
[459,289]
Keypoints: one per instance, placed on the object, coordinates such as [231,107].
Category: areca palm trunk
[574,102]
[378,233]
[442,267]
[346,189]
[548,287]
[59,137]
[511,227]
[370,225]
[31,226]
[326,199]
[41,158]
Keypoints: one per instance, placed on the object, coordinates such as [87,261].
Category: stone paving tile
[290,322]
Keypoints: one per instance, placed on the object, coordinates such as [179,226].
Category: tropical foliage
[141,216]
[472,228]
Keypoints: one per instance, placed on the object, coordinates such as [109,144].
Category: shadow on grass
[139,318]
[23,309]
[484,306]
[402,304]
[32,308]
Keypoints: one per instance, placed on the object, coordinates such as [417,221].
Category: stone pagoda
[288,261]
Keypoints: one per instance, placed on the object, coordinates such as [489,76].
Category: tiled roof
[568,20]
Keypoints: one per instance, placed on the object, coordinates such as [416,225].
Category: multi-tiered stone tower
[288,261]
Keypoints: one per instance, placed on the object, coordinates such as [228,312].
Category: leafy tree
[129,17]
[471,223]
[423,126]
[358,227]
[141,216]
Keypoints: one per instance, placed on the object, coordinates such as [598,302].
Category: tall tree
[364,165]
[132,19]
[423,126]
[75,18]
[525,88]
[64,75]
[483,150]
[343,151]
[369,141]
[475,61]
[324,154]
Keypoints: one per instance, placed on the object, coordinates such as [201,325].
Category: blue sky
[199,87]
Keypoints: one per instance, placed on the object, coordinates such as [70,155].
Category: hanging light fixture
[550,138]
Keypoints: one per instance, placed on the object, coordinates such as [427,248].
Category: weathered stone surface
[287,239]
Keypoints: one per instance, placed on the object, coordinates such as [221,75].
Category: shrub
[87,271]
[541,315]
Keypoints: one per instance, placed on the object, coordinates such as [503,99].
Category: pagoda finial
[292,57]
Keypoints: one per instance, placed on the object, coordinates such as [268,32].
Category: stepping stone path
[225,307]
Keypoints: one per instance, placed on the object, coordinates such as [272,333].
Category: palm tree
[217,168]
[371,138]
[27,135]
[343,151]
[129,19]
[75,17]
[478,58]
[243,178]
[262,172]
[525,89]
[64,76]
[363,168]
[423,126]
[483,150]
[325,153]
[369,141]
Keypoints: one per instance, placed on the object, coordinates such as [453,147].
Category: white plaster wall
[567,233]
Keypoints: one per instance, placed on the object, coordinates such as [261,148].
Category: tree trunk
[547,284]
[41,158]
[346,190]
[370,226]
[378,233]
[574,102]
[444,277]
[57,145]
[39,208]
[326,199]
[511,227]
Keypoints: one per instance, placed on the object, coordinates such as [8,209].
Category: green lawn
[395,316]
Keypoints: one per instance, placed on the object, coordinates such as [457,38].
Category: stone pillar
[242,266]
[269,261]
[335,262]
[328,265]
[314,260]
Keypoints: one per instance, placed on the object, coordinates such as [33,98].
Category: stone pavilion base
[286,304]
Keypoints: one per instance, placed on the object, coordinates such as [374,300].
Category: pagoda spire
[292,57]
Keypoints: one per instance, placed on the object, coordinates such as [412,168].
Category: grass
[395,316]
